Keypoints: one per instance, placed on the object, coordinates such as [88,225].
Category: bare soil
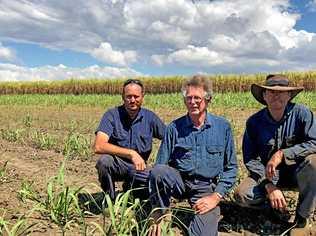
[28,163]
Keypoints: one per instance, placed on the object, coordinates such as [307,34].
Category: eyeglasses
[195,99]
[133,81]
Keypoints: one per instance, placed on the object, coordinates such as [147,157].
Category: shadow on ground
[94,203]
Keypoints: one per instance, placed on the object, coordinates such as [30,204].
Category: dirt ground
[26,162]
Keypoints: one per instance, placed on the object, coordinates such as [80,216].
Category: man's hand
[206,203]
[276,197]
[137,160]
[275,160]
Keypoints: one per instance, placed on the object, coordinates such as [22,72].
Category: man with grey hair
[196,160]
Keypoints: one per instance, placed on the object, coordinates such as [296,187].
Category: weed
[12,135]
[121,214]
[27,121]
[27,192]
[43,141]
[73,126]
[60,204]
[19,228]
[76,145]
[3,171]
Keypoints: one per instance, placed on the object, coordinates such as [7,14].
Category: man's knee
[160,171]
[249,193]
[312,163]
[307,171]
[242,191]
[206,224]
[105,162]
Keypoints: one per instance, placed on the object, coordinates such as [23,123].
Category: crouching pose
[279,150]
[124,137]
[196,160]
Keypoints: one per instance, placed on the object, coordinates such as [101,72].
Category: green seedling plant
[27,121]
[60,204]
[12,135]
[19,228]
[76,145]
[121,214]
[166,221]
[43,141]
[3,172]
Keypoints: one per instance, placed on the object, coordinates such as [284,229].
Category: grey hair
[199,81]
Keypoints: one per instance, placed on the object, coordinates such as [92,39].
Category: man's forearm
[108,148]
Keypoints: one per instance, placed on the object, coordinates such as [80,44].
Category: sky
[56,40]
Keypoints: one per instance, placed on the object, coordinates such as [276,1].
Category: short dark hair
[133,81]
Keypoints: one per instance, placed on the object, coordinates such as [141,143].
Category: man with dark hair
[125,136]
[196,160]
[279,150]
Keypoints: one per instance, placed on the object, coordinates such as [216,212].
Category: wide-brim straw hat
[275,83]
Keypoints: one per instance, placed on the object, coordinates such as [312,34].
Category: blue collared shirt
[207,152]
[294,134]
[135,134]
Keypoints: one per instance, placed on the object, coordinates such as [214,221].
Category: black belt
[200,178]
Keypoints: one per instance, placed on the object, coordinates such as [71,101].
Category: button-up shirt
[136,134]
[294,134]
[206,152]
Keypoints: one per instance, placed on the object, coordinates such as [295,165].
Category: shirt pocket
[214,158]
[182,157]
[119,139]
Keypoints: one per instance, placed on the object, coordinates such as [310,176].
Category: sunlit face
[132,97]
[195,100]
[276,100]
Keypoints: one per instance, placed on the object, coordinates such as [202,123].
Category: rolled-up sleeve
[106,124]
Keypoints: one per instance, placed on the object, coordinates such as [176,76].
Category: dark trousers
[166,182]
[302,176]
[112,168]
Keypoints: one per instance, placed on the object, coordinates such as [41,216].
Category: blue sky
[54,40]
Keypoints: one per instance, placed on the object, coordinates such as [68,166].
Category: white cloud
[106,54]
[10,72]
[198,56]
[312,5]
[6,54]
[219,35]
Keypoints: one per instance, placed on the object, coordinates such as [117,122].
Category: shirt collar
[287,111]
[207,123]
[139,116]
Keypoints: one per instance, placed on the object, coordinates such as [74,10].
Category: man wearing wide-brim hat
[279,151]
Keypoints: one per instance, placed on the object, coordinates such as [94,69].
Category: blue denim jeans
[113,168]
[166,182]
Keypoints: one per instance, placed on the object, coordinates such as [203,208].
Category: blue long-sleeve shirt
[294,134]
[207,152]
